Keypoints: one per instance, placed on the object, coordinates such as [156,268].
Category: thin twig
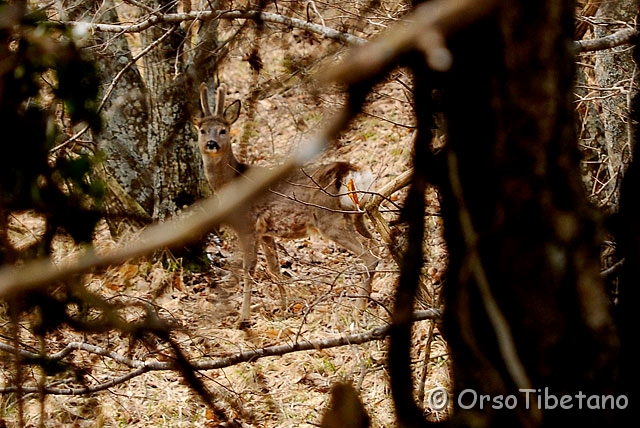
[612,269]
[311,4]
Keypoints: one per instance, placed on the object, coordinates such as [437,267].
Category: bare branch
[622,37]
[205,15]
[612,269]
[141,367]
[372,209]
[60,390]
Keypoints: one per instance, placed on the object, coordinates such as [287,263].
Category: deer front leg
[249,261]
[245,310]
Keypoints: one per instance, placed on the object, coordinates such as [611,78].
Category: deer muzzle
[212,145]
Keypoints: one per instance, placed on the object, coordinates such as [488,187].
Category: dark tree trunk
[628,240]
[519,229]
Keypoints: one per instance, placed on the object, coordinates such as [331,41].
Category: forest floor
[290,390]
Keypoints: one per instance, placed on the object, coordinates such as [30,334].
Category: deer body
[314,199]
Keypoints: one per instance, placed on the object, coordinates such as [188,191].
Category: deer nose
[212,145]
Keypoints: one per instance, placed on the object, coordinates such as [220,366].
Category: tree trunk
[525,304]
[174,157]
[125,114]
[628,240]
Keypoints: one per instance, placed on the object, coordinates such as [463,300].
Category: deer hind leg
[341,230]
[270,253]
[273,266]
[371,262]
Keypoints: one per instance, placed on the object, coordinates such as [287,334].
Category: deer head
[214,139]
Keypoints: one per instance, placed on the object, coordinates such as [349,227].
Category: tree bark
[148,139]
[125,114]
[616,76]
[174,157]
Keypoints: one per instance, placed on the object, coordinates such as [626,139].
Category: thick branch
[373,210]
[619,38]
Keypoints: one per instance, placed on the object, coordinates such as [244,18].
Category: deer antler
[204,99]
[220,94]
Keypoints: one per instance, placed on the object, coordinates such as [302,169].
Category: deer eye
[202,131]
[223,131]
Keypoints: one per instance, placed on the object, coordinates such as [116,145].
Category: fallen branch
[141,367]
[588,10]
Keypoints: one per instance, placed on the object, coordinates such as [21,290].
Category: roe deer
[317,200]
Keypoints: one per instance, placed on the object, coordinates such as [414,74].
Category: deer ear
[232,112]
[197,120]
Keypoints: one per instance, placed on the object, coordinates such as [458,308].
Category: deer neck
[220,171]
